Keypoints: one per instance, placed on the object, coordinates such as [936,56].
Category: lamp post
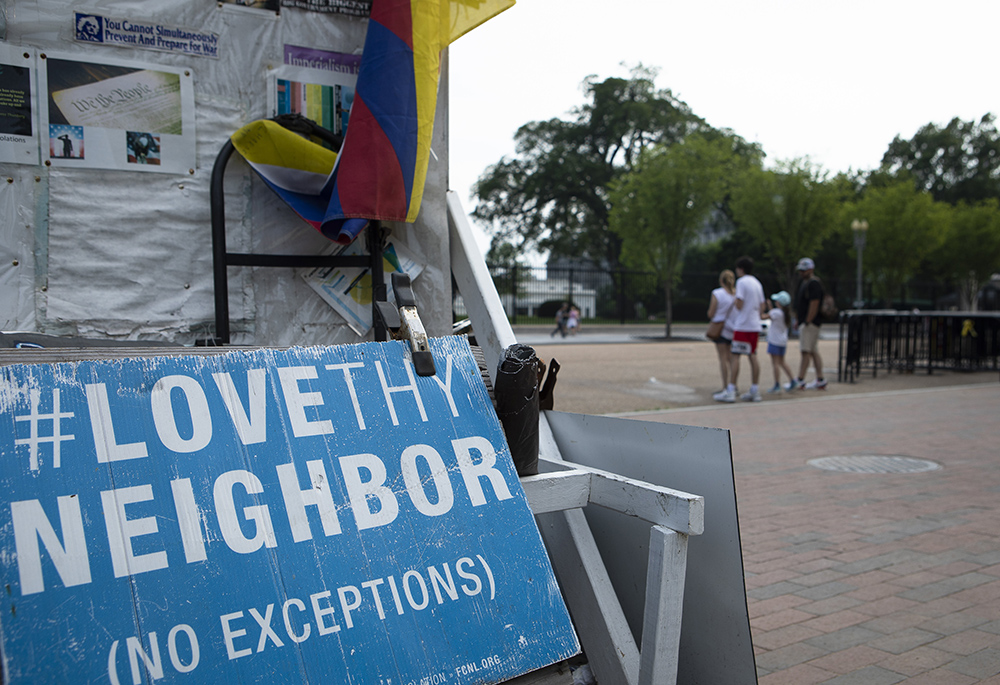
[860,228]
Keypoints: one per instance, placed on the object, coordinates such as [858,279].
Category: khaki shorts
[808,337]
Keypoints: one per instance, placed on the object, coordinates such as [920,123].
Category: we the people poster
[117,115]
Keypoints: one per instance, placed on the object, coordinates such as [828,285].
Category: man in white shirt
[748,306]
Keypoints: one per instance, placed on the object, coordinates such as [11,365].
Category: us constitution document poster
[313,515]
[18,105]
[117,115]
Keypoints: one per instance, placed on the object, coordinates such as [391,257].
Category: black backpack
[828,309]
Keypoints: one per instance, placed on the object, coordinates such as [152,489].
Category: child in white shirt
[777,340]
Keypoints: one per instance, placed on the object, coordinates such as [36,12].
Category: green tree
[660,206]
[788,210]
[960,161]
[511,274]
[970,252]
[905,225]
[553,194]
[502,252]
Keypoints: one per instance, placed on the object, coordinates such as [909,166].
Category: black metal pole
[218,214]
[376,245]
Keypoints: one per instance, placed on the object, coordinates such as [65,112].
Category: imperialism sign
[306,515]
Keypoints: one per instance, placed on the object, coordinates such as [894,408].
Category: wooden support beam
[597,614]
[661,621]
[662,506]
[549,492]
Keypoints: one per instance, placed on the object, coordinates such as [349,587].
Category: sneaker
[775,389]
[819,384]
[752,396]
[792,385]
[725,396]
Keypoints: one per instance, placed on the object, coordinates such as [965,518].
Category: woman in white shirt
[719,309]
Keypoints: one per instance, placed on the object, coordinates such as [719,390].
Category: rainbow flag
[382,165]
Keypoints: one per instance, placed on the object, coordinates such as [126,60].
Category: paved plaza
[861,576]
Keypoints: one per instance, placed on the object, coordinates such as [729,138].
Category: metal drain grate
[873,463]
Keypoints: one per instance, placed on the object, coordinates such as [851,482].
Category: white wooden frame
[557,496]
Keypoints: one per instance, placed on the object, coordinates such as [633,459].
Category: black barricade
[910,341]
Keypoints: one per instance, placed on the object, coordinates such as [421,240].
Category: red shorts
[744,342]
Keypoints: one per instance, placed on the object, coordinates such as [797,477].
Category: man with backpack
[807,311]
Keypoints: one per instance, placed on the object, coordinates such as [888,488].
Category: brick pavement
[850,578]
[869,578]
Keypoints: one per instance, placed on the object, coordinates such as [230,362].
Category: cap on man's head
[805,264]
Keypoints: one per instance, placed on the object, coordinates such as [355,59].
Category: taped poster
[349,289]
[117,115]
[18,105]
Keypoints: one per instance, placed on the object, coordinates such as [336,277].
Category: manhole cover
[874,463]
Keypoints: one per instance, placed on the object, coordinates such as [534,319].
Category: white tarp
[113,253]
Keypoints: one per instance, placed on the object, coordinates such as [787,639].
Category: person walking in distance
[561,319]
[719,309]
[807,310]
[749,303]
[573,320]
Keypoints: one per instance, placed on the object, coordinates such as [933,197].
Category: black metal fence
[536,293]
[533,294]
[907,341]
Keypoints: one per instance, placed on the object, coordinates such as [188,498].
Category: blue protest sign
[307,515]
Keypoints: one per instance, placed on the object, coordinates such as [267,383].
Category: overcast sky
[834,81]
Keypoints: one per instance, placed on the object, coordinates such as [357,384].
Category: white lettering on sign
[213,517]
[191,429]
[364,492]
[427,484]
[388,391]
[252,427]
[153,660]
[446,386]
[296,401]
[165,419]
[415,484]
[317,495]
[349,380]
[472,471]
[322,613]
[33,440]
[421,587]
[229,636]
[252,630]
[229,519]
[106,444]
[192,640]
[188,520]
[121,530]
[70,557]
[293,635]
